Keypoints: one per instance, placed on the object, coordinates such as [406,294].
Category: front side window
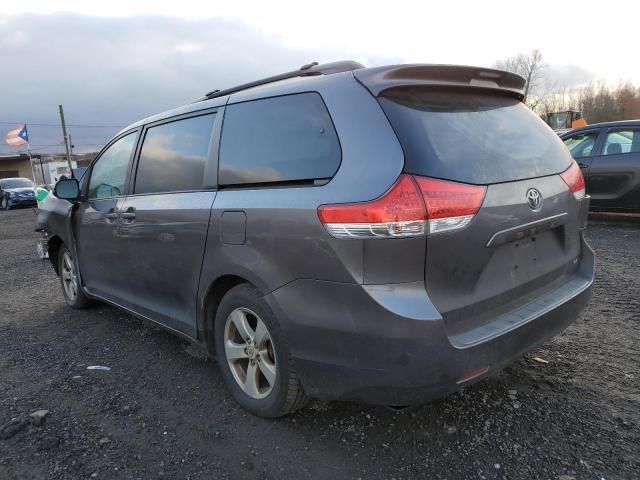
[581,145]
[279,139]
[109,173]
[174,155]
[622,141]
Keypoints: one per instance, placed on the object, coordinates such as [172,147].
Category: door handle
[129,215]
[111,215]
[583,165]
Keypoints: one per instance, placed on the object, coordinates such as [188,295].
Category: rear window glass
[622,141]
[472,137]
[280,139]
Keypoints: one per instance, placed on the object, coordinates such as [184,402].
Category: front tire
[69,281]
[254,357]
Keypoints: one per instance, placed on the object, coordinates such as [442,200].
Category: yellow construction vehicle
[562,121]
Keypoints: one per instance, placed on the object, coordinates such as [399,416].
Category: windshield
[472,136]
[559,120]
[16,183]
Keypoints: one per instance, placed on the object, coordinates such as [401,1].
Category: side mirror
[67,189]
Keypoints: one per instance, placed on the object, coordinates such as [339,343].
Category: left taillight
[412,206]
[572,176]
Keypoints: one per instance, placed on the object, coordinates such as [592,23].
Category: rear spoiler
[379,79]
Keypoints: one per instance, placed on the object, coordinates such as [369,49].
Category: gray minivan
[385,235]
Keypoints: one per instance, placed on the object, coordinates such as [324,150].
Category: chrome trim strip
[562,216]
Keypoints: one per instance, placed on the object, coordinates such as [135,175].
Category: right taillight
[412,206]
[572,176]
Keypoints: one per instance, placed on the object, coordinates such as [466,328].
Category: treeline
[598,102]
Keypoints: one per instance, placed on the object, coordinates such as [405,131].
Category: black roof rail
[307,70]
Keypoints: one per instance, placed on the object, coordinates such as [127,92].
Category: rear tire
[69,281]
[254,356]
[4,204]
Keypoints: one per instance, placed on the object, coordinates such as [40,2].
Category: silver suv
[385,235]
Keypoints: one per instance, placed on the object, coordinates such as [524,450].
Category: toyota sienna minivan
[385,235]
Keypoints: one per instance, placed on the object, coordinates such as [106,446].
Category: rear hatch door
[525,236]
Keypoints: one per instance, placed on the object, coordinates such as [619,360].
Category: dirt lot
[162,410]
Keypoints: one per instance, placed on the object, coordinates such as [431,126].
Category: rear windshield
[472,137]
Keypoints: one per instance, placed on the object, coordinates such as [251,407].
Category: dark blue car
[16,192]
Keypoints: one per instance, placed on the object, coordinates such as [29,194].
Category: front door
[96,221]
[583,146]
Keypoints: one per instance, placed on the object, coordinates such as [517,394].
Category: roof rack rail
[307,70]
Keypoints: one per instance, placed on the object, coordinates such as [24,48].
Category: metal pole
[44,180]
[67,145]
[33,172]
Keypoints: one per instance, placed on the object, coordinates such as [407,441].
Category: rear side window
[280,139]
[174,155]
[622,141]
[471,136]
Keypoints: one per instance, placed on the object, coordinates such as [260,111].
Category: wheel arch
[212,298]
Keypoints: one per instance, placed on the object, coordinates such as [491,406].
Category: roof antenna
[309,65]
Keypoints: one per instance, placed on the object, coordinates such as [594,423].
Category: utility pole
[67,139]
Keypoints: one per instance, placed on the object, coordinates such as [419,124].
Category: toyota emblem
[534,199]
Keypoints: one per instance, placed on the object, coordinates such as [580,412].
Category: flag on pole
[18,136]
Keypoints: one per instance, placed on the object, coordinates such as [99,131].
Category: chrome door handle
[129,215]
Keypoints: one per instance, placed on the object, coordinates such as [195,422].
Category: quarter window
[109,173]
[622,141]
[280,139]
[581,145]
[174,155]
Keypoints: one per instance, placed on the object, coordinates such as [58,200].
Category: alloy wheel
[69,280]
[250,353]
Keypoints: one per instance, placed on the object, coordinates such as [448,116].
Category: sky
[112,63]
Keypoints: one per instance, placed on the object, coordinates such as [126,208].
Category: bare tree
[598,102]
[533,69]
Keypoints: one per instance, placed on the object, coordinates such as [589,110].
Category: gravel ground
[162,411]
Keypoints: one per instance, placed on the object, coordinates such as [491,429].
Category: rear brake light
[411,207]
[398,213]
[450,205]
[572,176]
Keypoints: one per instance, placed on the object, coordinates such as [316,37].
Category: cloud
[569,76]
[114,71]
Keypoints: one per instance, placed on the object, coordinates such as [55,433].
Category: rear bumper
[386,344]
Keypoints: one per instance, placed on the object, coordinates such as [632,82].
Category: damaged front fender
[54,221]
